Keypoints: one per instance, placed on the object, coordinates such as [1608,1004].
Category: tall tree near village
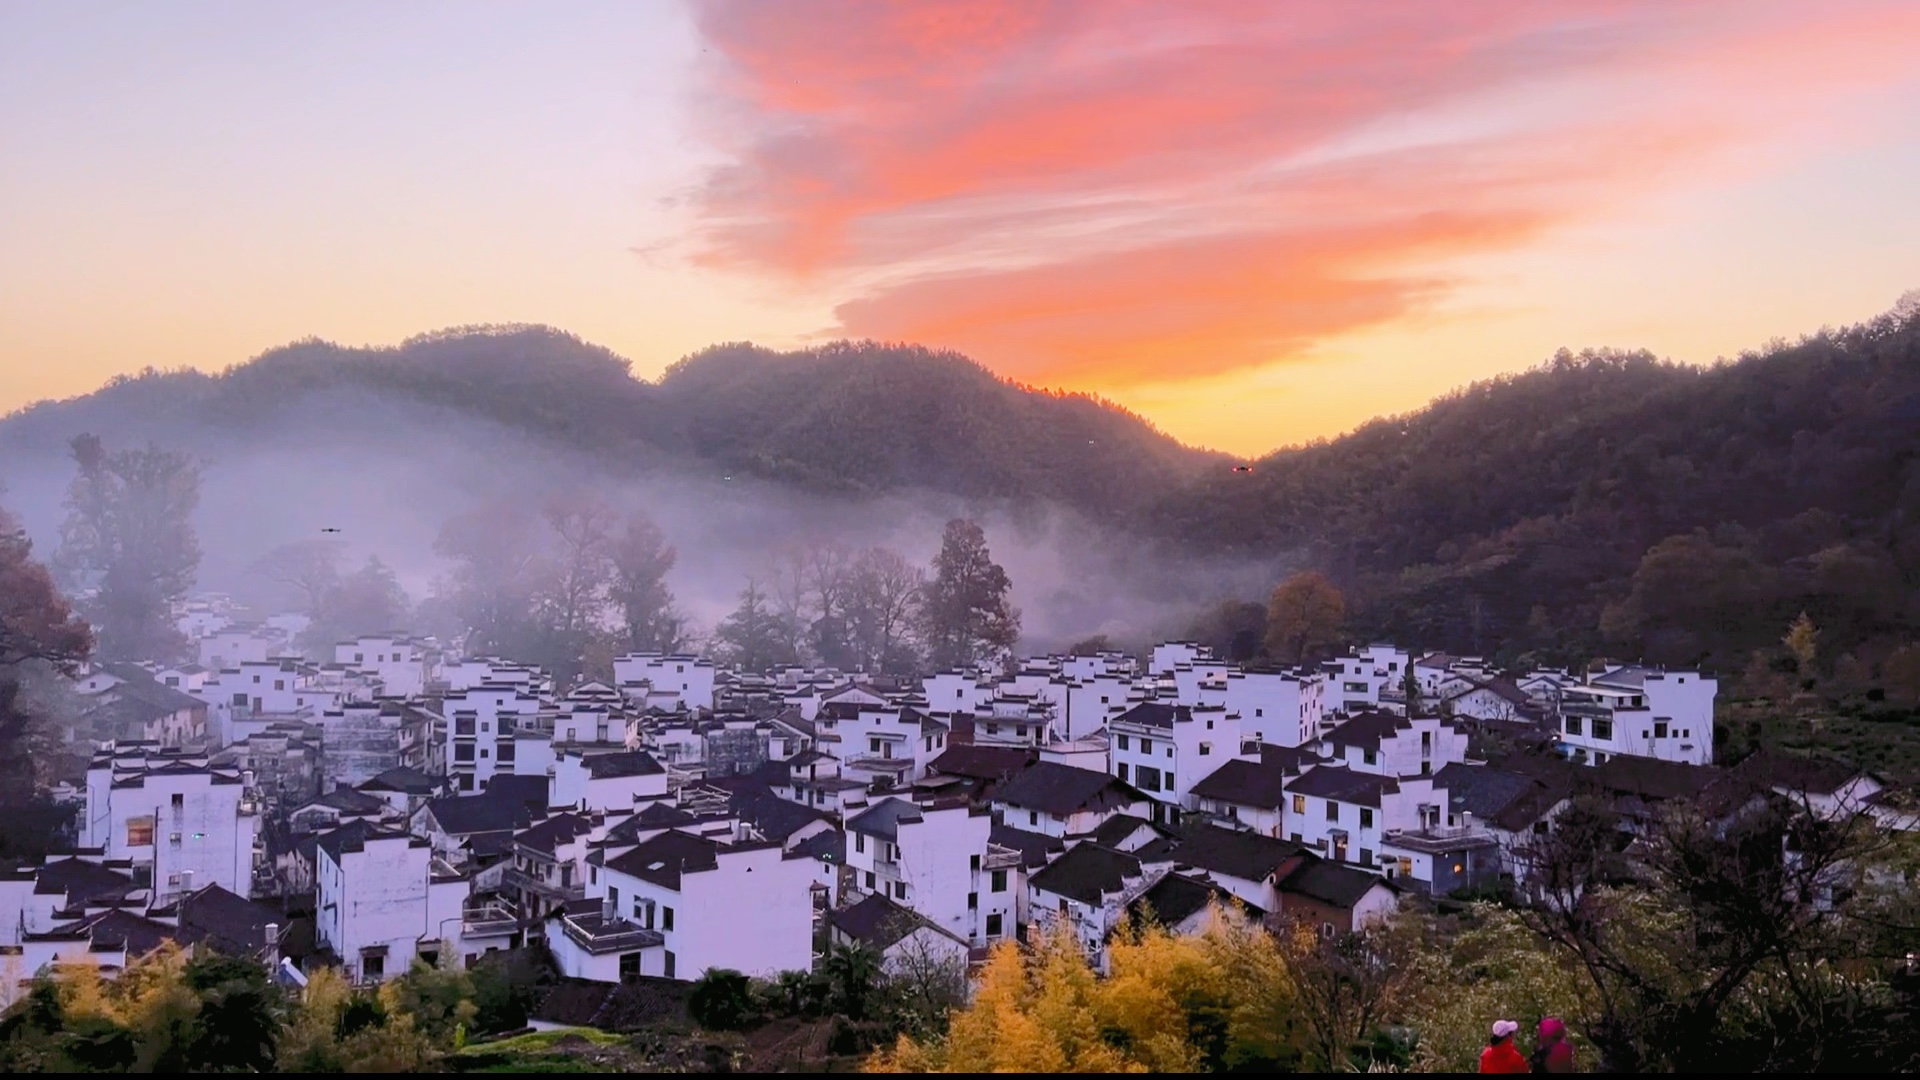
[572,595]
[128,544]
[1305,616]
[965,615]
[881,594]
[755,636]
[37,627]
[490,587]
[641,560]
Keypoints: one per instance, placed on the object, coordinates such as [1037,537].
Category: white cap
[1504,1028]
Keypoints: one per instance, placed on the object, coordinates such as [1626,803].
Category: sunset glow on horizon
[1255,224]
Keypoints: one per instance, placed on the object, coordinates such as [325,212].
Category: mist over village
[1041,538]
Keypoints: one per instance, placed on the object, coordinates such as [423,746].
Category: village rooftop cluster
[398,801]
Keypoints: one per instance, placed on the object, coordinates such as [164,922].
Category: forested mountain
[1603,502]
[855,418]
[1613,501]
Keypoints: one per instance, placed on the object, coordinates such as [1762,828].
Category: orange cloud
[1121,191]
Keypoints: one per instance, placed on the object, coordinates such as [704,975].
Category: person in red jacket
[1500,1055]
[1555,1053]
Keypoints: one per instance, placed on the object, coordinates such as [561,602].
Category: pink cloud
[1115,191]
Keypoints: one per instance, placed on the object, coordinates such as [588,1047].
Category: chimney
[271,955]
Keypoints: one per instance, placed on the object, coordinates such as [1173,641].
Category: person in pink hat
[1500,1055]
[1555,1053]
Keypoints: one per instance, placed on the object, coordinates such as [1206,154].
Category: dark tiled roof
[1291,759]
[876,922]
[1173,899]
[1335,884]
[1342,784]
[983,762]
[491,812]
[80,880]
[1053,788]
[626,763]
[556,830]
[1809,775]
[1034,848]
[619,1007]
[662,859]
[1365,730]
[407,780]
[531,791]
[1154,714]
[229,922]
[884,818]
[1244,855]
[1484,790]
[772,816]
[1117,829]
[118,928]
[1086,873]
[1245,783]
[1650,778]
[349,801]
[827,846]
[353,837]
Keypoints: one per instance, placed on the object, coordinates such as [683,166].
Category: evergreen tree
[754,637]
[128,544]
[965,614]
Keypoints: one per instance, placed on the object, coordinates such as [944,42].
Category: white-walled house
[171,816]
[938,860]
[1357,680]
[1059,800]
[382,900]
[480,725]
[606,781]
[1088,890]
[1389,744]
[1282,707]
[1640,712]
[1164,749]
[402,666]
[748,907]
[673,681]
[1345,815]
[907,943]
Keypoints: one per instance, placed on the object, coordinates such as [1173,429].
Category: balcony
[1441,840]
[516,878]
[592,930]
[488,920]
[1000,858]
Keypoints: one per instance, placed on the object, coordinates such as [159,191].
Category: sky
[1253,223]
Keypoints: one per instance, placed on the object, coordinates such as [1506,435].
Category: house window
[860,842]
[629,966]
[1659,729]
[999,881]
[1602,729]
[1295,838]
[279,684]
[613,898]
[666,918]
[1426,742]
[1147,778]
[993,729]
[1120,770]
[140,832]
[1369,757]
[873,746]
[1406,866]
[1257,713]
[1033,817]
[1366,821]
[668,971]
[1123,742]
[1573,725]
[1366,857]
[869,880]
[899,890]
[1146,746]
[973,863]
[373,967]
[1205,749]
[973,901]
[993,925]
[1333,810]
[1169,751]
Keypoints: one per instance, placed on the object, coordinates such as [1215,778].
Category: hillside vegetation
[1611,501]
[1602,502]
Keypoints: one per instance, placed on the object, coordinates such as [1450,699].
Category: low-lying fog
[390,475]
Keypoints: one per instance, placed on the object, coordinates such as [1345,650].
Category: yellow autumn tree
[1171,1004]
